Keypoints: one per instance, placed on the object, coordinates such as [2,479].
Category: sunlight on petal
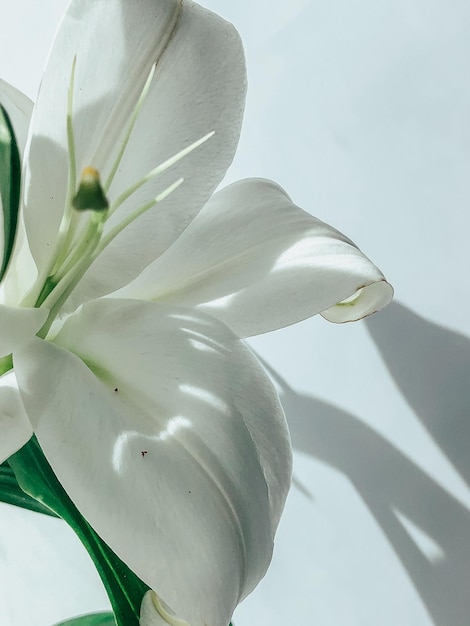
[191,447]
[125,440]
[174,426]
[187,317]
[299,251]
[264,264]
[200,345]
[222,302]
[202,341]
[206,396]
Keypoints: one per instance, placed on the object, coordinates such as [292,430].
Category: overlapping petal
[198,87]
[158,421]
[175,424]
[151,612]
[15,426]
[19,108]
[22,269]
[17,326]
[257,262]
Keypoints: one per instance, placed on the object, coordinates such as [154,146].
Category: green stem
[11,493]
[36,478]
[6,364]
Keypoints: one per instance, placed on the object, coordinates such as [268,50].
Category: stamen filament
[130,128]
[55,300]
[67,283]
[158,170]
[67,241]
[79,238]
[78,251]
[134,215]
[69,218]
[72,179]
[67,225]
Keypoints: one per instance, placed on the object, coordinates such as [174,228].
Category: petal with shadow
[15,427]
[170,439]
[17,326]
[198,87]
[257,262]
[22,270]
[19,108]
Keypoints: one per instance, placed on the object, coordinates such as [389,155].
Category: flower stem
[6,364]
[36,478]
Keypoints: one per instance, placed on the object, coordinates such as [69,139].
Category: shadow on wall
[430,365]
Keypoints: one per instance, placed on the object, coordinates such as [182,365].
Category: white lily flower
[162,427]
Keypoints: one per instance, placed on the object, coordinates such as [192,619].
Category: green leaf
[35,477]
[11,493]
[10,186]
[93,619]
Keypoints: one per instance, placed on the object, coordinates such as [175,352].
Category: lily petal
[257,262]
[22,270]
[177,426]
[18,325]
[15,427]
[198,87]
[152,609]
[19,107]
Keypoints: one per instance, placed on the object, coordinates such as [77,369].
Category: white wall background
[361,110]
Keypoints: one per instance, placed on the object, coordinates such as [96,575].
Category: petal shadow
[391,485]
[431,366]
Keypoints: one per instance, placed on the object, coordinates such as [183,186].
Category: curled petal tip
[365,301]
[154,612]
